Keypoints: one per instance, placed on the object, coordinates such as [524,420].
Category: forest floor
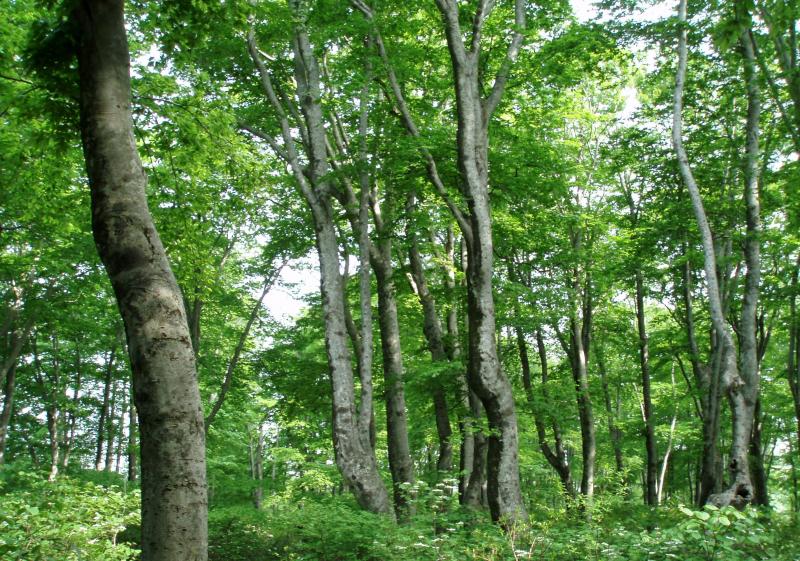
[94,516]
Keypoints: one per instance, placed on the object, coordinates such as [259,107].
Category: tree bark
[173,483]
[354,455]
[485,375]
[741,387]
[400,463]
[651,469]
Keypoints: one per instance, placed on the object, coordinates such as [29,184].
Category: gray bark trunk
[740,387]
[174,500]
[354,455]
[485,375]
[651,466]
[400,463]
[793,359]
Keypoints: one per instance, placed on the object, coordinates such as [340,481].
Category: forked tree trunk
[173,483]
[485,375]
[354,454]
[741,387]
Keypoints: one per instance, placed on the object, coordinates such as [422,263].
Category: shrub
[65,520]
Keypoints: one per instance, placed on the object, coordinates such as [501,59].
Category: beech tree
[173,478]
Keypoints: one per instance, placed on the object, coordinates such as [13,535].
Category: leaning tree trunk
[173,482]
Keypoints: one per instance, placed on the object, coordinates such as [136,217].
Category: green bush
[65,520]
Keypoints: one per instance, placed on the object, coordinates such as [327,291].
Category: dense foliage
[604,322]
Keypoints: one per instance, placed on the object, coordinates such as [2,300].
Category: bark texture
[173,483]
[740,386]
[354,454]
[485,375]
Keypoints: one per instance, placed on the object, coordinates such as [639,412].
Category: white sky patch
[297,280]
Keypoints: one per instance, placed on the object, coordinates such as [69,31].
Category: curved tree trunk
[741,387]
[174,500]
[485,374]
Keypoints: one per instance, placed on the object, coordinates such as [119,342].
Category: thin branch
[491,102]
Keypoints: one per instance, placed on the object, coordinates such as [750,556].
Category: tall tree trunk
[585,411]
[400,463]
[485,375]
[793,359]
[743,390]
[759,474]
[101,424]
[707,380]
[354,454]
[651,470]
[174,498]
[740,387]
[8,407]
